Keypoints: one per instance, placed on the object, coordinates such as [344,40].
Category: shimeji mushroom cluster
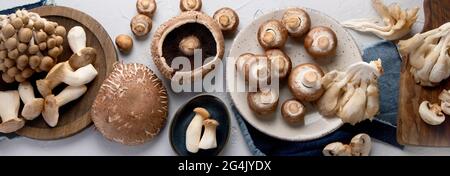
[28,44]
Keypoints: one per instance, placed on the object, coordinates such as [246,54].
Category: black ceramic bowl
[183,117]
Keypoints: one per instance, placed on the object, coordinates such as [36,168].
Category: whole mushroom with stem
[297,22]
[293,111]
[305,82]
[321,42]
[141,25]
[194,130]
[272,34]
[209,139]
[227,19]
[146,7]
[190,5]
[280,63]
[264,101]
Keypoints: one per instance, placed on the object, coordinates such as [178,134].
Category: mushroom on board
[293,111]
[431,113]
[321,42]
[227,19]
[272,34]
[122,114]
[52,103]
[190,5]
[9,111]
[209,138]
[194,129]
[397,22]
[445,101]
[305,82]
[146,7]
[352,94]
[297,22]
[32,106]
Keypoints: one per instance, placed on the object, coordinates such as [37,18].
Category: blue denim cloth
[383,128]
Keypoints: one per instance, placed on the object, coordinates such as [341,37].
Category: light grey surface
[115,15]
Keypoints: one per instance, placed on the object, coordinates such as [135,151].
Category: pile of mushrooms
[398,22]
[75,72]
[28,44]
[194,138]
[360,145]
[352,94]
[429,55]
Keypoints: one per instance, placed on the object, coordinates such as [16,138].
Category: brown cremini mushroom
[264,101]
[146,7]
[297,22]
[280,63]
[305,82]
[141,25]
[122,114]
[124,43]
[227,19]
[272,34]
[189,44]
[293,111]
[190,5]
[321,42]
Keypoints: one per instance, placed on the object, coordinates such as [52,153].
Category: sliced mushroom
[146,7]
[272,34]
[227,19]
[190,5]
[321,42]
[297,22]
[445,101]
[431,113]
[264,101]
[280,63]
[361,145]
[305,82]
[293,111]
[337,149]
[141,25]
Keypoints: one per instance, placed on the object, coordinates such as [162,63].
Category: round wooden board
[74,116]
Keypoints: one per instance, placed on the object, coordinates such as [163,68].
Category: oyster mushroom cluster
[397,22]
[352,94]
[75,73]
[28,44]
[429,55]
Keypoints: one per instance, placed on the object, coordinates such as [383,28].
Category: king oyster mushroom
[304,82]
[272,34]
[166,45]
[131,106]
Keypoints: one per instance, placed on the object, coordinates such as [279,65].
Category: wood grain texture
[74,116]
[411,128]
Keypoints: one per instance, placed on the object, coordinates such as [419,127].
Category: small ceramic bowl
[218,111]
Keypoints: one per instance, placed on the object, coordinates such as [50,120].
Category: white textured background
[115,15]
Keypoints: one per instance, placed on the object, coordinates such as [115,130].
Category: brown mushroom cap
[141,25]
[293,111]
[190,5]
[272,34]
[146,7]
[166,40]
[304,82]
[124,43]
[321,42]
[280,63]
[227,19]
[131,106]
[296,21]
[263,102]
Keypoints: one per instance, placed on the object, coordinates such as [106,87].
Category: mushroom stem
[9,111]
[194,130]
[52,103]
[310,78]
[32,106]
[209,140]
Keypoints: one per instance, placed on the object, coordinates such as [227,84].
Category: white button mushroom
[52,103]
[194,130]
[209,139]
[32,106]
[431,113]
[9,112]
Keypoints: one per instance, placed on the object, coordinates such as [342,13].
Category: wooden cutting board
[74,116]
[411,129]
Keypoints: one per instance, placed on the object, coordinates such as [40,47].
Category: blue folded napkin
[382,128]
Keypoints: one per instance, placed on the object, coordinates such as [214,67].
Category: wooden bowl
[74,116]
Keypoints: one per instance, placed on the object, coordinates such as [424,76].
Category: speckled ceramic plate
[315,125]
